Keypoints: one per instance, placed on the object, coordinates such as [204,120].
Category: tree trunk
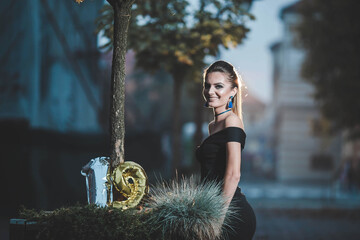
[176,127]
[122,13]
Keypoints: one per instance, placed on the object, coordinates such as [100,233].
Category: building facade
[301,151]
[50,75]
[52,93]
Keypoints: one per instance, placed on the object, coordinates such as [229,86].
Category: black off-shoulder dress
[212,156]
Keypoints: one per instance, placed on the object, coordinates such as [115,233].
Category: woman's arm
[232,171]
[233,161]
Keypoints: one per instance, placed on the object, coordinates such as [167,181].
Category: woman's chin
[214,104]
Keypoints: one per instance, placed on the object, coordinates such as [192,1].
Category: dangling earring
[230,104]
[206,104]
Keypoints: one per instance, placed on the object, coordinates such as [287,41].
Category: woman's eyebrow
[214,83]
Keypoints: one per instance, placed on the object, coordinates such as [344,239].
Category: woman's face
[217,89]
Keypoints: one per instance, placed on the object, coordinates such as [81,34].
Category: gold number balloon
[130,185]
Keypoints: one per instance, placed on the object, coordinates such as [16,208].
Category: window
[323,162]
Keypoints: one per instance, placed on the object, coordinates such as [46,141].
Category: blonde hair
[233,77]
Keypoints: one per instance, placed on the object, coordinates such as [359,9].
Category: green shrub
[89,222]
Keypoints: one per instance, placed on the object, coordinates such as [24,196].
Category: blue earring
[206,104]
[230,105]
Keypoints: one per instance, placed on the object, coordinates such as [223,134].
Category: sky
[253,58]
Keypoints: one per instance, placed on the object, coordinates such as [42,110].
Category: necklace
[222,112]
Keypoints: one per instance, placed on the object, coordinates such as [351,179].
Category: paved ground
[303,211]
[309,224]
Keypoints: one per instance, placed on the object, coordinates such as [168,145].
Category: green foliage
[89,222]
[330,33]
[188,209]
[104,24]
[171,35]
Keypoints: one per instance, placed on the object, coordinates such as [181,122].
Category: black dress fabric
[212,156]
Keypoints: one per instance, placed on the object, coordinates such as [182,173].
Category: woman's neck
[219,110]
[219,114]
[222,112]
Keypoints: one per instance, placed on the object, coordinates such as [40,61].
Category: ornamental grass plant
[188,209]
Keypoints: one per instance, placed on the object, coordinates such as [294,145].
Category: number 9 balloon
[130,185]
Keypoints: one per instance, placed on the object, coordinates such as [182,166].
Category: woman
[220,153]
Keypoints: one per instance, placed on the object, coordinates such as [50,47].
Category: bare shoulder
[233,121]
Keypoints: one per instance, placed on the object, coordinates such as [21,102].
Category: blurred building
[51,101]
[302,151]
[258,154]
[50,65]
